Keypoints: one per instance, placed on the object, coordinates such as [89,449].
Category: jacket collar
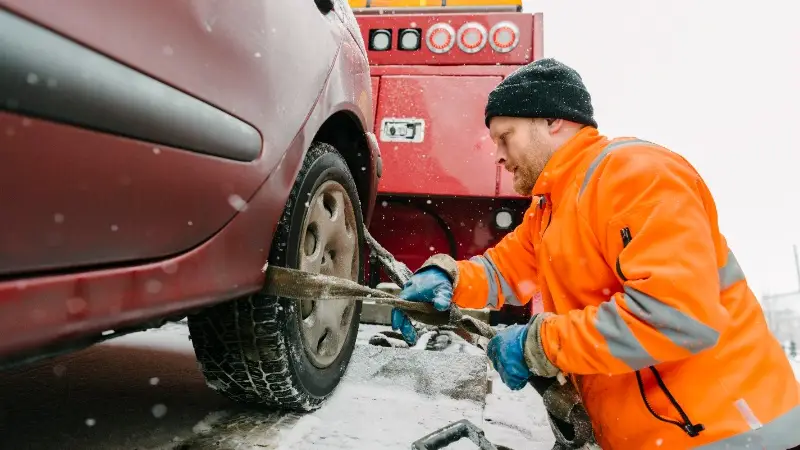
[563,166]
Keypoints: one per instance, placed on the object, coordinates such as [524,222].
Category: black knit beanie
[544,89]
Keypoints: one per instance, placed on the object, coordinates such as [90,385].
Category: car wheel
[284,352]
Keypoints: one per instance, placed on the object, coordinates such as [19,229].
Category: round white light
[471,37]
[504,37]
[440,38]
[503,220]
[381,40]
[409,40]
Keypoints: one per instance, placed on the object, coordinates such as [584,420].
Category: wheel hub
[328,245]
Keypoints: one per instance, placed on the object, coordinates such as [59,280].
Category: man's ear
[555,125]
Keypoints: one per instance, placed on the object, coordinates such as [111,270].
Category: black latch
[693,430]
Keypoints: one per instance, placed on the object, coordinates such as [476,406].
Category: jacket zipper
[687,426]
[542,204]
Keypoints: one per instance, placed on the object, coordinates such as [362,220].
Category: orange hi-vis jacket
[655,322]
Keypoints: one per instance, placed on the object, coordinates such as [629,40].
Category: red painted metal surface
[247,57]
[456,156]
[286,93]
[96,198]
[497,70]
[205,48]
[376,84]
[505,187]
[414,228]
[451,174]
[522,54]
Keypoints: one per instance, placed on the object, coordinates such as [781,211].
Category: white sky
[716,81]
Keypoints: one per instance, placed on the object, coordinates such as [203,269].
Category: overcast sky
[719,84]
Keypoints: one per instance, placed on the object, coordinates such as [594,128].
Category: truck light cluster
[440,38]
[504,37]
[471,37]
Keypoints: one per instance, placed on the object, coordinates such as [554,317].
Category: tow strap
[568,419]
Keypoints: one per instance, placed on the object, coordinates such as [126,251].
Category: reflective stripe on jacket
[656,323]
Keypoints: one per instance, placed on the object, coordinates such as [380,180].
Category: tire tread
[239,344]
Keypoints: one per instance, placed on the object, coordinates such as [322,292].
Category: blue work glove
[507,352]
[517,353]
[429,285]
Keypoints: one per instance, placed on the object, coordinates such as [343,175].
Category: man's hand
[507,352]
[431,285]
[516,353]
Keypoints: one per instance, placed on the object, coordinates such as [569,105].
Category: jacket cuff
[535,356]
[444,262]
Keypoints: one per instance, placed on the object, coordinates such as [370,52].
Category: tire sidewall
[318,382]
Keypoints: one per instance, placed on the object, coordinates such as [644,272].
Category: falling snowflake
[153,286]
[159,410]
[59,370]
[238,203]
[170,268]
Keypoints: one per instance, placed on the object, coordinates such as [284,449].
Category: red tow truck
[433,64]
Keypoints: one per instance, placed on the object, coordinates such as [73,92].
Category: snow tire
[251,349]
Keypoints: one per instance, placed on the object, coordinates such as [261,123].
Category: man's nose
[499,158]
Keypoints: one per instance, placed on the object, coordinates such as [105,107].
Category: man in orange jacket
[646,309]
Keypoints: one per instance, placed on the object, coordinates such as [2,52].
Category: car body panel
[174,269]
[146,201]
[152,201]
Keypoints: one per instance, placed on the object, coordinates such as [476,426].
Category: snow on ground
[144,391]
[390,414]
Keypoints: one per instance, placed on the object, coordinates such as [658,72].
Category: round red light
[440,38]
[504,37]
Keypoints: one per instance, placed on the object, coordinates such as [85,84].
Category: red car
[154,155]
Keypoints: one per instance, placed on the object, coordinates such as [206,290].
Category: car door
[136,129]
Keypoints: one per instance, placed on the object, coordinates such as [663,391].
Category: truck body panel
[441,191]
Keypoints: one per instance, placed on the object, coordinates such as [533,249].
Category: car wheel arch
[343,131]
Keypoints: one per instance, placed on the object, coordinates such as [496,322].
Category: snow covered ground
[144,391]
